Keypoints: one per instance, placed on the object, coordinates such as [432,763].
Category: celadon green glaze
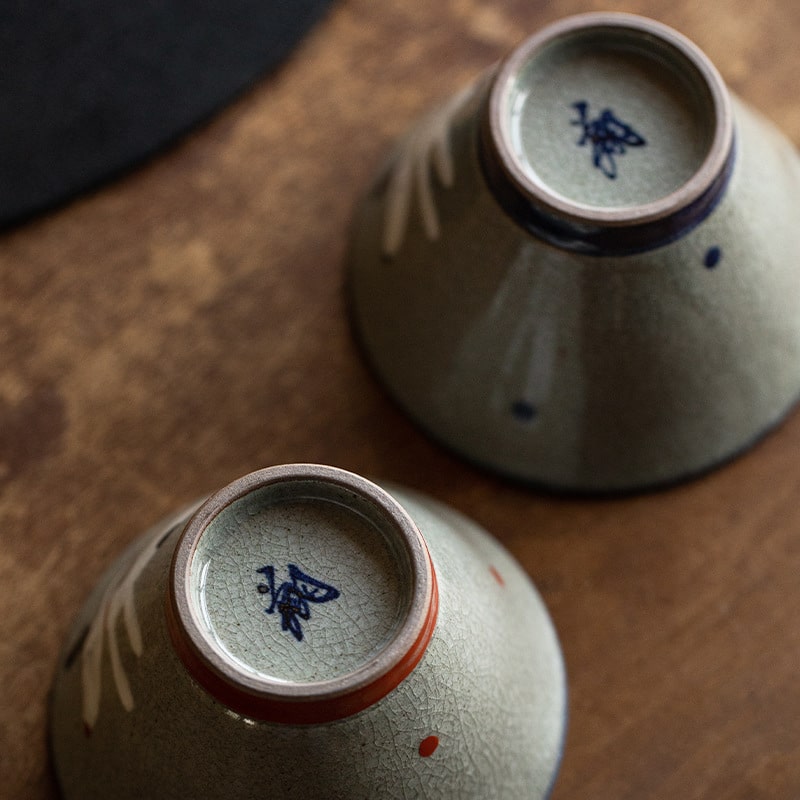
[481,715]
[526,346]
[367,577]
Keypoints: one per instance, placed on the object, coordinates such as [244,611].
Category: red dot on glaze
[497,576]
[427,747]
[87,730]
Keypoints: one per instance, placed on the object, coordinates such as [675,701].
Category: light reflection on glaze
[521,370]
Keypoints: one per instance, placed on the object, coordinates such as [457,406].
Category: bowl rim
[615,229]
[307,702]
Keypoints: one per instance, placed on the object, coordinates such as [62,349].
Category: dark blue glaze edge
[597,240]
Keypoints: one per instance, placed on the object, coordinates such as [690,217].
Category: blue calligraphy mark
[608,135]
[291,599]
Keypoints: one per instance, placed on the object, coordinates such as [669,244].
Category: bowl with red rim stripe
[306,630]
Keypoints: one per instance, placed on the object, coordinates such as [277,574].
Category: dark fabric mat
[88,88]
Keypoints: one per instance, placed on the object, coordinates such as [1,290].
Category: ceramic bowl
[581,270]
[305,633]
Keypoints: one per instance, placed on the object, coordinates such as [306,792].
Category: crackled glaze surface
[482,715]
[589,372]
[254,560]
[609,128]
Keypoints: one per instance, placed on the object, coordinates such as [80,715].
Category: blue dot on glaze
[523,410]
[713,257]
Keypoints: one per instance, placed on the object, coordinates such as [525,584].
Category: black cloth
[88,88]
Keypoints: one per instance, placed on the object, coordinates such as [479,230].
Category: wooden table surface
[186,324]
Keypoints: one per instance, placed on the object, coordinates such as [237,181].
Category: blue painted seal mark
[712,258]
[608,135]
[291,599]
[523,410]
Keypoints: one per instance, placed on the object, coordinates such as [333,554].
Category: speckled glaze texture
[581,372]
[481,716]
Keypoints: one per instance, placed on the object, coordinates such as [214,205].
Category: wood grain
[186,325]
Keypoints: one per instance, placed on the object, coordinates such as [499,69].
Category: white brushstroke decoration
[427,149]
[118,600]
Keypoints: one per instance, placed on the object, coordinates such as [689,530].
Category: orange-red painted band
[302,712]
